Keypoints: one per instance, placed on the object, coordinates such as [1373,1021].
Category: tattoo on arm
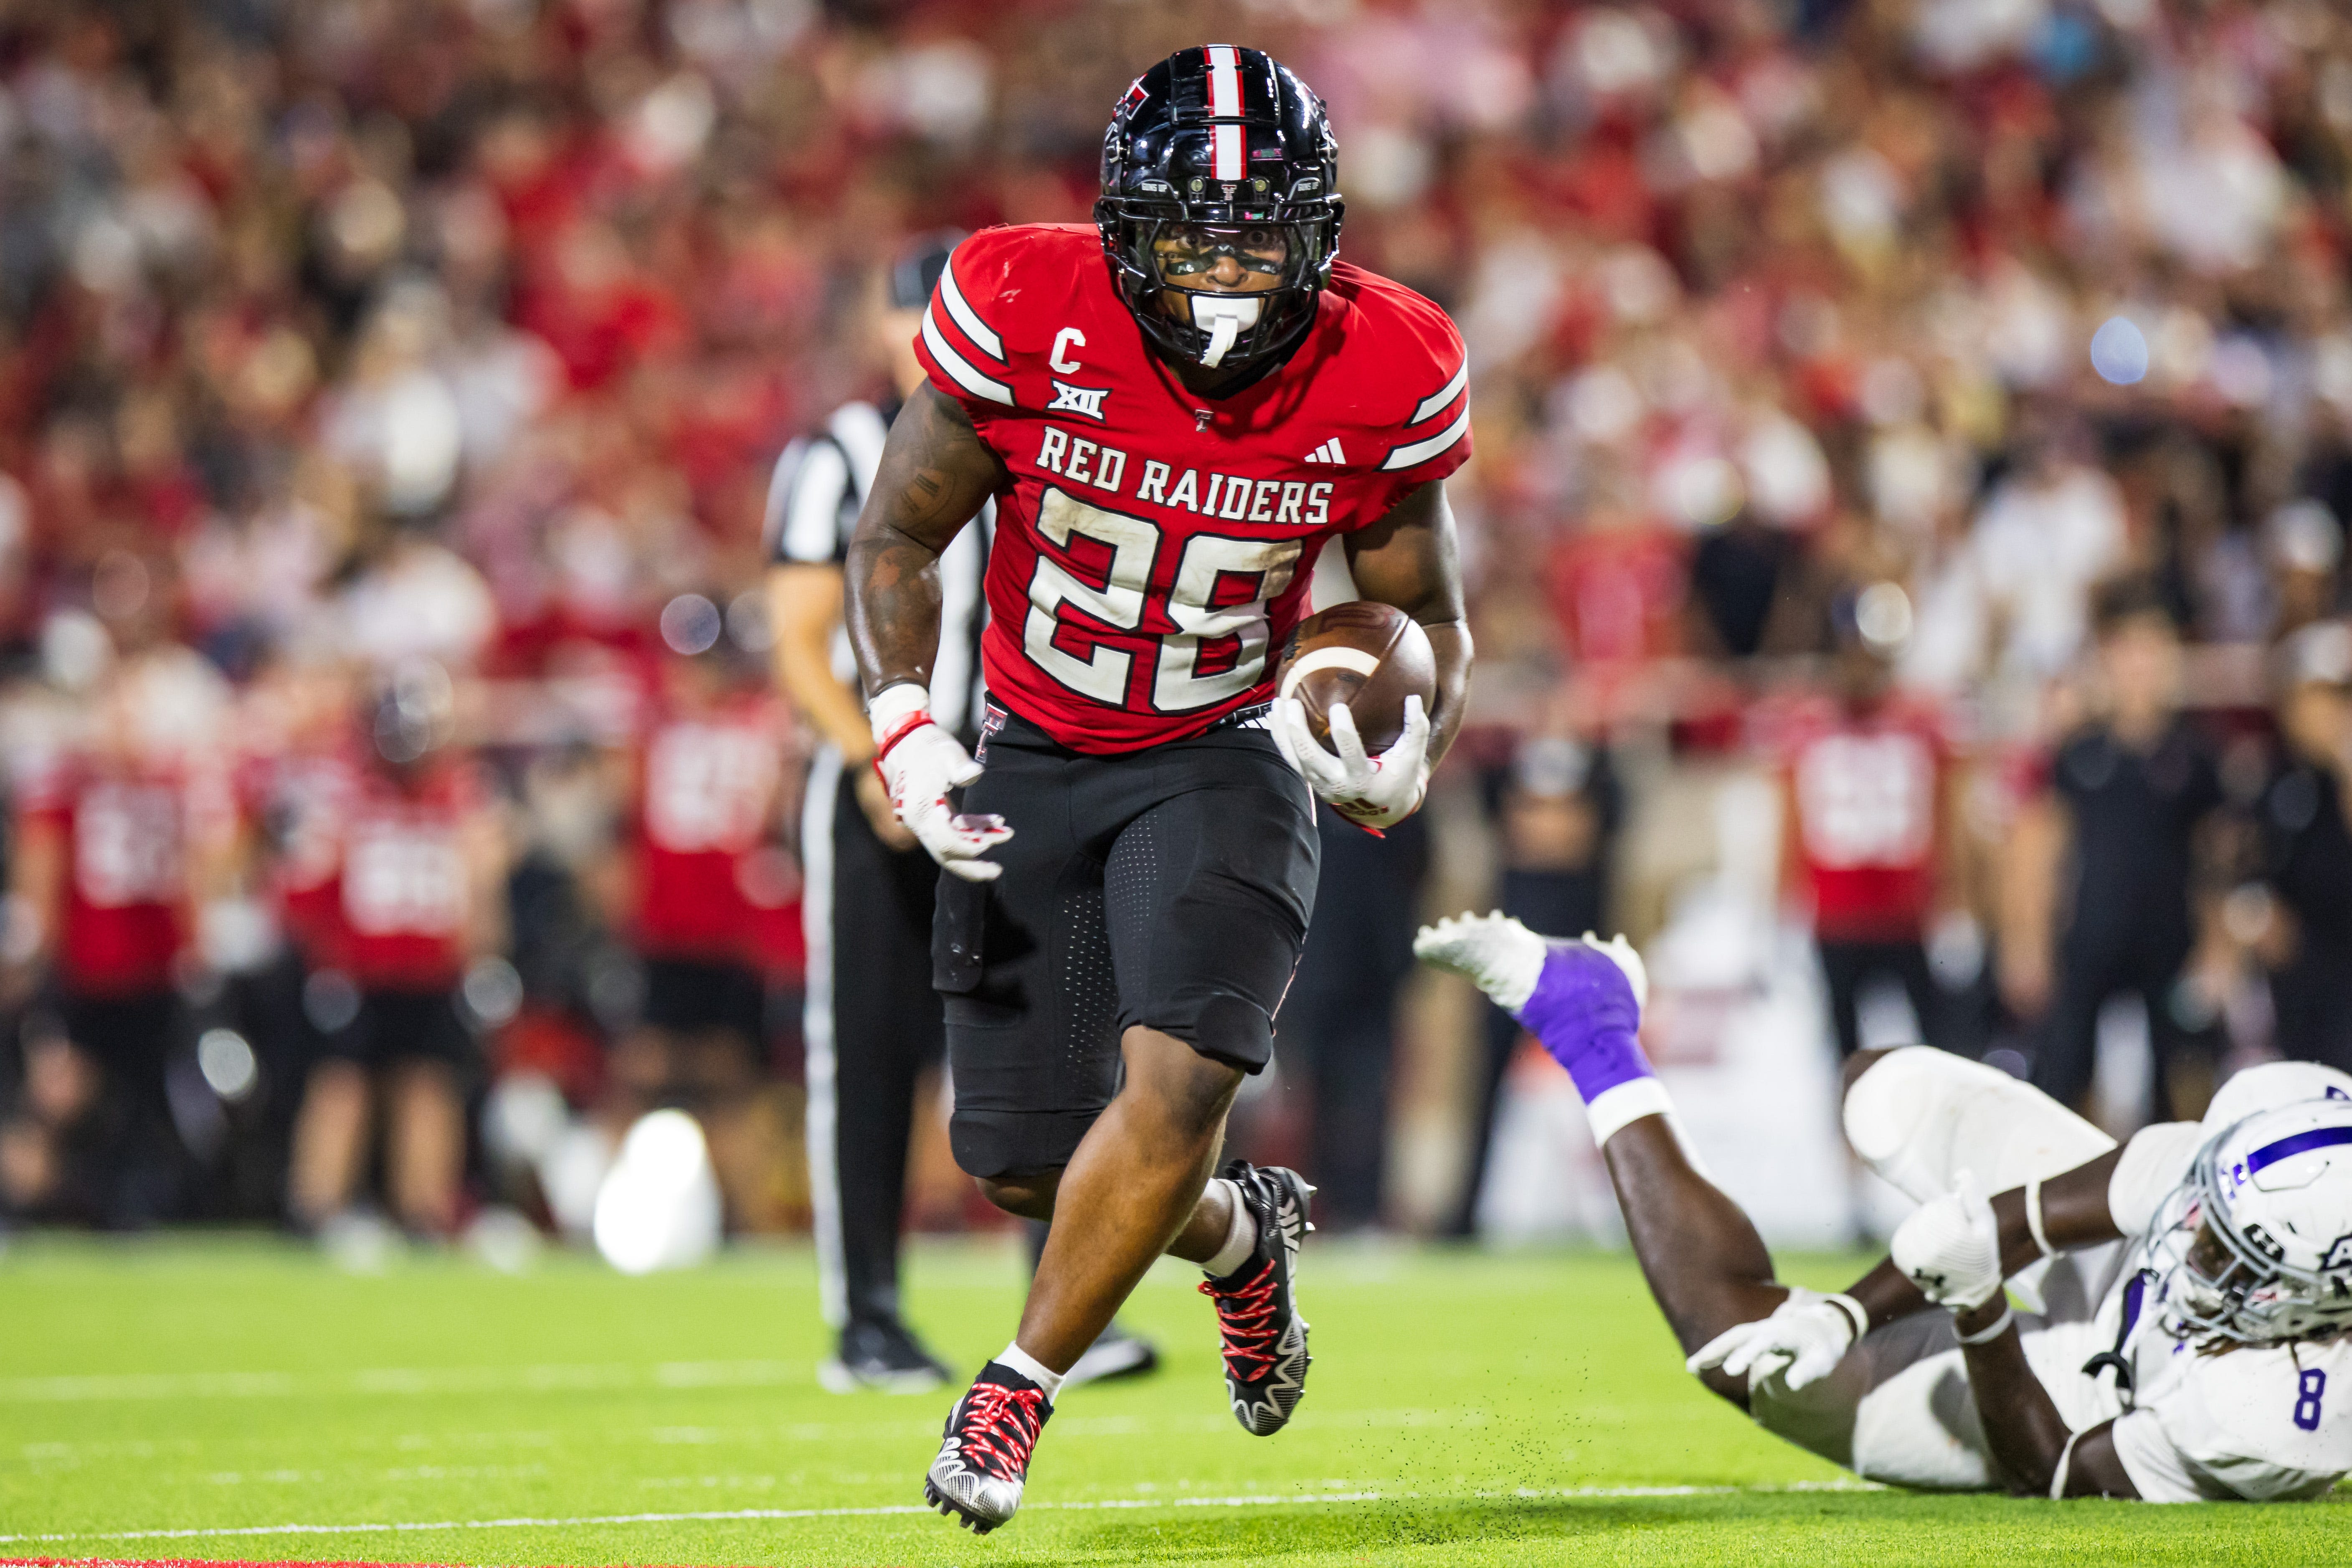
[936,473]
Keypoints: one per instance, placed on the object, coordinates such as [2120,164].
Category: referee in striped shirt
[873,1024]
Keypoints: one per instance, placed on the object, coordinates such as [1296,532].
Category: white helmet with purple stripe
[2268,1205]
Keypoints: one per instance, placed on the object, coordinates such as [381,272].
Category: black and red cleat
[1257,1304]
[983,1459]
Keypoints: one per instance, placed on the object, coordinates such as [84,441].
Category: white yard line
[722,1515]
[55,1452]
[404,1380]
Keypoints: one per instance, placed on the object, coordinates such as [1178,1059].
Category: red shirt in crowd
[1619,592]
[404,891]
[707,790]
[127,833]
[1865,786]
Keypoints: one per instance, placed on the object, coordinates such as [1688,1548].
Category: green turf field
[239,1399]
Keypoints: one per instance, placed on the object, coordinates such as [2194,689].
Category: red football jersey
[1867,788]
[1153,547]
[707,795]
[301,799]
[404,891]
[127,834]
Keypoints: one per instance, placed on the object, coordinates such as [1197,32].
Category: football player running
[2184,1321]
[1175,410]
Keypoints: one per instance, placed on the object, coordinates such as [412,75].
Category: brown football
[1371,657]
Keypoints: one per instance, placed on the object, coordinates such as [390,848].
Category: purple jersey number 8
[2308,1388]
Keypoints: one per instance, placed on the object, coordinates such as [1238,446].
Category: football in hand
[1371,657]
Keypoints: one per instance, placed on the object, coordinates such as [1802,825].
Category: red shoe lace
[1001,1427]
[1245,1317]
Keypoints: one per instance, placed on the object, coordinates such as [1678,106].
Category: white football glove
[1370,791]
[1808,1334]
[920,763]
[1950,1249]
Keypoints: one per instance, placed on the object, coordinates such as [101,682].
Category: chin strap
[2135,1297]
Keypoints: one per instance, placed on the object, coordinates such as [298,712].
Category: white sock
[1015,1359]
[1241,1237]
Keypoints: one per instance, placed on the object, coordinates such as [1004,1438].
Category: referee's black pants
[2067,1051]
[1549,903]
[873,1025]
[1338,1023]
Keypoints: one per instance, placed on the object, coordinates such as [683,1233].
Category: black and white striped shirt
[813,498]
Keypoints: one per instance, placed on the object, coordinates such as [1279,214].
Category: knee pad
[1919,1116]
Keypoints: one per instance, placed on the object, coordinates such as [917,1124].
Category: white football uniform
[2258,1423]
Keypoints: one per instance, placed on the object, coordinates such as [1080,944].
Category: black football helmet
[1218,152]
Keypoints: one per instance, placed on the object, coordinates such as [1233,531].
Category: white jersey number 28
[1209,560]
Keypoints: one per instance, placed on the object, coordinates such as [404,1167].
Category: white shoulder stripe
[1436,401]
[1422,451]
[982,336]
[779,490]
[959,367]
[812,505]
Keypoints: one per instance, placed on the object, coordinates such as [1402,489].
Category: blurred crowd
[1943,407]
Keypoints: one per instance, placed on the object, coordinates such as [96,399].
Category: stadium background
[347,343]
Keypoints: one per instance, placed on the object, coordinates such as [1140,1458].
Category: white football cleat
[1504,959]
[1493,951]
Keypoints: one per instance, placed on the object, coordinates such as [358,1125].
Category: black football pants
[1168,888]
[872,1025]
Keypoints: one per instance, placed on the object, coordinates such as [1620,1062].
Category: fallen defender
[2182,1330]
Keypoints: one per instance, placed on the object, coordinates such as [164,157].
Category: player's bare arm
[2037,1454]
[936,474]
[1958,1251]
[1411,560]
[2073,1215]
